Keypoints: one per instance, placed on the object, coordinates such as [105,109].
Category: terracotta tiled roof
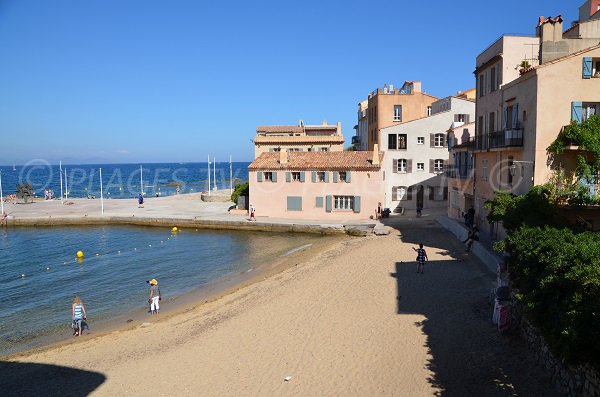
[313,161]
[279,128]
[298,139]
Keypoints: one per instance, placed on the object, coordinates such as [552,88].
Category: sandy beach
[356,320]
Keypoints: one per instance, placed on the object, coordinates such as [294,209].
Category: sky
[129,81]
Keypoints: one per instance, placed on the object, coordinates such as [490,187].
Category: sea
[40,274]
[122,180]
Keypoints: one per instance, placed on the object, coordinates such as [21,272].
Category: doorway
[420,196]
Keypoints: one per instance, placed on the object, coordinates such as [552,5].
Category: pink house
[317,185]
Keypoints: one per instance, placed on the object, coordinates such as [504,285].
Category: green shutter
[348,176]
[259,176]
[326,176]
[302,176]
[294,203]
[328,203]
[314,177]
[587,67]
[357,204]
[274,176]
[319,202]
[576,111]
[336,177]
[288,176]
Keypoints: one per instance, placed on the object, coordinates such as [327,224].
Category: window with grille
[401,165]
[438,140]
[397,112]
[344,203]
[438,165]
[420,166]
[420,140]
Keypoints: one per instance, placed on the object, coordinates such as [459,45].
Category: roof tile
[326,161]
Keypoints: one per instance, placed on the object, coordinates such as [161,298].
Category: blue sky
[167,81]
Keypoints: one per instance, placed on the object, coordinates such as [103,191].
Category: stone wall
[572,381]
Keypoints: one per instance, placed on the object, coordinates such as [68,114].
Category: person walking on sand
[140,201]
[252,213]
[421,258]
[78,316]
[154,297]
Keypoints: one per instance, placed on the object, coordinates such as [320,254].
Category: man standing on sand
[154,297]
[421,258]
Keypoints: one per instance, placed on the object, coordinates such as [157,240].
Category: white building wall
[416,153]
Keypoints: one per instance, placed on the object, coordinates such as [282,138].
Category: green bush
[240,190]
[557,272]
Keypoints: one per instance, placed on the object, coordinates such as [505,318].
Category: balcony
[459,173]
[508,138]
[356,140]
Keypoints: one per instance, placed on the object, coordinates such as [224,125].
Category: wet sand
[355,320]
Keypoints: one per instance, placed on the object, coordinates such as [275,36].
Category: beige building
[459,173]
[300,138]
[389,106]
[522,107]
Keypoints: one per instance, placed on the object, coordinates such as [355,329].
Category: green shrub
[240,190]
[557,272]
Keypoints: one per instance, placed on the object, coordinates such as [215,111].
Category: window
[420,140]
[589,109]
[397,112]
[484,170]
[420,166]
[397,141]
[399,193]
[511,117]
[493,78]
[324,149]
[401,165]
[321,176]
[461,118]
[296,176]
[268,176]
[343,203]
[481,86]
[276,149]
[343,175]
[294,149]
[438,165]
[428,111]
[438,140]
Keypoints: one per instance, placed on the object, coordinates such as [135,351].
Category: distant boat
[14,168]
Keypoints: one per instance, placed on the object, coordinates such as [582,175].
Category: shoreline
[188,301]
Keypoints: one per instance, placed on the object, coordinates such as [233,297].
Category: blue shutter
[357,204]
[288,176]
[348,176]
[326,176]
[319,202]
[576,111]
[259,176]
[587,67]
[328,203]
[274,176]
[294,203]
[336,177]
[515,116]
[302,176]
[314,177]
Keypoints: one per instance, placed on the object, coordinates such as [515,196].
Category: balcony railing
[459,173]
[499,139]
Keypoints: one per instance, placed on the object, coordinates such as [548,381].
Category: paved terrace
[181,210]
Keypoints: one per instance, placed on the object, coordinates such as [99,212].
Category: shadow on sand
[31,379]
[469,357]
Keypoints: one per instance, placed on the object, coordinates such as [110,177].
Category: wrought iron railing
[506,138]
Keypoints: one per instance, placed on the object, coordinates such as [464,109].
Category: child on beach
[252,213]
[78,316]
[421,258]
[154,297]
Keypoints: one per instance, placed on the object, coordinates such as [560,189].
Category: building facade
[416,154]
[317,185]
[390,106]
[459,172]
[300,138]
[521,112]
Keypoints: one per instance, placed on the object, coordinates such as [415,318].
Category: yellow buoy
[174,230]
[80,254]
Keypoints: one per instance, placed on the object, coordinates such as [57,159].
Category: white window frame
[401,193]
[589,109]
[420,166]
[343,203]
[295,176]
[438,165]
[420,140]
[402,165]
[397,112]
[438,140]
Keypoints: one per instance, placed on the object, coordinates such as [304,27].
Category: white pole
[209,174]
[66,185]
[230,177]
[60,174]
[215,172]
[1,195]
[141,181]
[101,196]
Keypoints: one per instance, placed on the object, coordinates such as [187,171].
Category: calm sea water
[122,180]
[37,307]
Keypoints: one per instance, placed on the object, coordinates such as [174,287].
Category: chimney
[375,160]
[324,122]
[339,128]
[283,156]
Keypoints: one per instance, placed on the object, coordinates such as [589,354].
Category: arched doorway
[420,196]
